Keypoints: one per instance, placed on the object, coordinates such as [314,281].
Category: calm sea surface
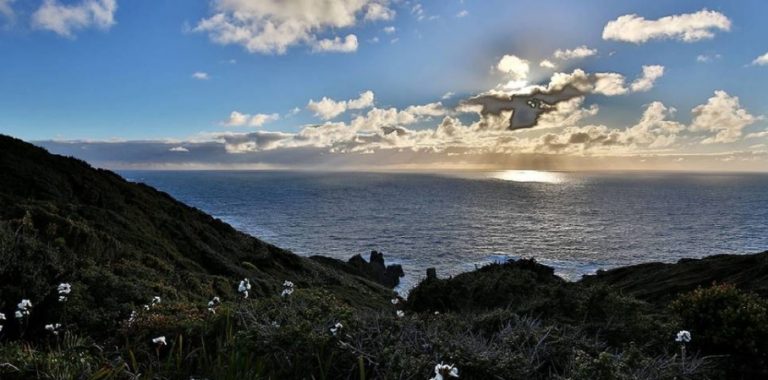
[575,222]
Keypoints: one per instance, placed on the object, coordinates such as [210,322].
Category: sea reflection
[529,176]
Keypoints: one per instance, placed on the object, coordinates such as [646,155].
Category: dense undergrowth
[297,337]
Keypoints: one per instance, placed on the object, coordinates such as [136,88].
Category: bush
[727,321]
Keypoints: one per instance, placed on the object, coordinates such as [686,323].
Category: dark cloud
[526,108]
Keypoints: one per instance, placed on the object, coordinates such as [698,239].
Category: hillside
[120,243]
[661,282]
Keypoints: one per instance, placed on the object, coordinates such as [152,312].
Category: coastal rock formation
[374,269]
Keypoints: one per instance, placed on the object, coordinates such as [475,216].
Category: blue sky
[126,73]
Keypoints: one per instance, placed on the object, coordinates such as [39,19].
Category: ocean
[456,221]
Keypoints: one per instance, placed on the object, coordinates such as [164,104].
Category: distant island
[101,278]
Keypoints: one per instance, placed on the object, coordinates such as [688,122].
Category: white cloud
[609,84]
[706,58]
[178,149]
[447,95]
[66,19]
[761,60]
[687,27]
[722,115]
[516,68]
[272,26]
[389,29]
[200,75]
[327,108]
[547,64]
[6,10]
[463,13]
[578,53]
[338,45]
[646,81]
[379,11]
[237,119]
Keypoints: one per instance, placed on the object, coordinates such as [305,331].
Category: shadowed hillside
[120,243]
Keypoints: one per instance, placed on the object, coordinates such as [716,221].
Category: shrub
[727,321]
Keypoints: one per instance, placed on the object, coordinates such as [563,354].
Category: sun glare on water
[528,176]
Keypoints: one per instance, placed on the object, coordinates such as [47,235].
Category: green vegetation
[121,244]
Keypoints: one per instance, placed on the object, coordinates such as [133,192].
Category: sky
[388,84]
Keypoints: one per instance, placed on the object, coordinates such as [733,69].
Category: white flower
[54,328]
[160,341]
[19,315]
[64,288]
[62,298]
[683,336]
[395,301]
[132,318]
[245,294]
[2,317]
[275,324]
[286,292]
[287,284]
[156,300]
[400,314]
[24,304]
[217,299]
[437,313]
[336,328]
[1,328]
[146,307]
[244,286]
[443,371]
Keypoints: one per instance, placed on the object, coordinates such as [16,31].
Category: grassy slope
[120,243]
[661,282]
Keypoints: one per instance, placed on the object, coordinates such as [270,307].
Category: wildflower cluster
[445,371]
[287,289]
[64,289]
[213,304]
[23,309]
[244,287]
[53,328]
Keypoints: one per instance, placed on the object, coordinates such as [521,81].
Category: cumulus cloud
[180,149]
[462,13]
[580,52]
[515,67]
[722,115]
[200,75]
[237,119]
[272,26]
[761,60]
[327,108]
[346,45]
[689,27]
[66,19]
[379,11]
[646,81]
[547,64]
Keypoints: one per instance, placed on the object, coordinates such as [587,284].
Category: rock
[431,274]
[376,270]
